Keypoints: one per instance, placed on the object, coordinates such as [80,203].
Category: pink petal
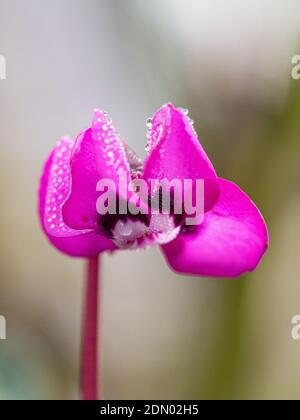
[99,153]
[176,153]
[231,241]
[54,189]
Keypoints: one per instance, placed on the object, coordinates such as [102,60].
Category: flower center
[132,232]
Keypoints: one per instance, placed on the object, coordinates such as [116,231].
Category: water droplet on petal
[149,122]
[185,111]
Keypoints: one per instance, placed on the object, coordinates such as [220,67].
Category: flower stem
[89,372]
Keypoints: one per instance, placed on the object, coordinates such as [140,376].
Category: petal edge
[231,241]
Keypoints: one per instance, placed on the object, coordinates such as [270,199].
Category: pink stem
[89,373]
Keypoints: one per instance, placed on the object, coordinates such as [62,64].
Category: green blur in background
[162,336]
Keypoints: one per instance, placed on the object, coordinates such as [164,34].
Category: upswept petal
[54,189]
[176,153]
[99,153]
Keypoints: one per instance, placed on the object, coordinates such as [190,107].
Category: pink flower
[231,240]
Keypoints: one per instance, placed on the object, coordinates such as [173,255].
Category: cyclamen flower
[231,240]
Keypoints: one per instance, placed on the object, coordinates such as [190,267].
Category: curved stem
[89,369]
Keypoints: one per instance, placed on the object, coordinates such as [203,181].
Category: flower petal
[98,154]
[176,153]
[54,189]
[231,241]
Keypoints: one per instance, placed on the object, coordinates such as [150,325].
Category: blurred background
[162,336]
